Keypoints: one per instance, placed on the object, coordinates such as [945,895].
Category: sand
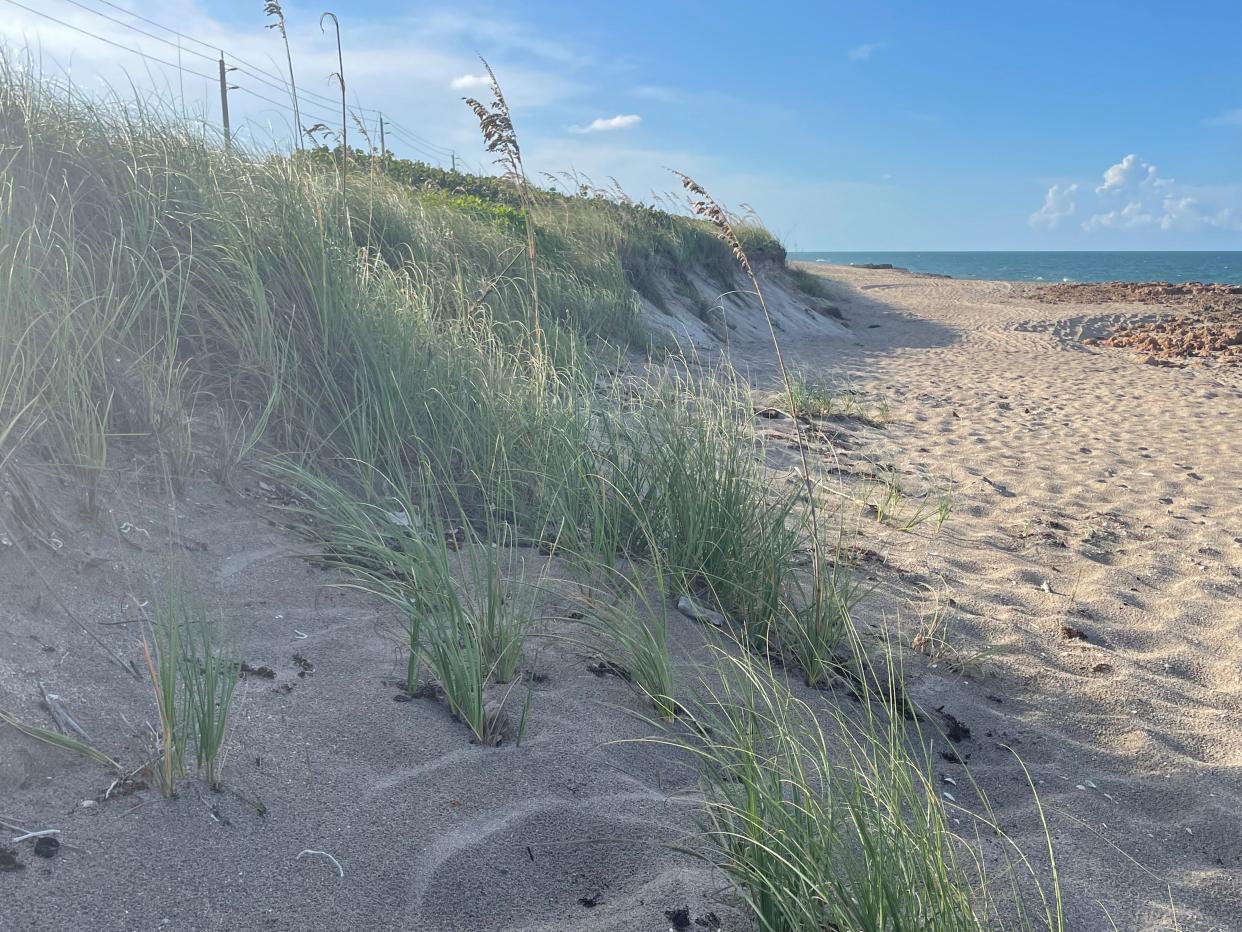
[430,831]
[1091,491]
[1095,492]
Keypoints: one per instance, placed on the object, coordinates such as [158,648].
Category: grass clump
[632,617]
[211,682]
[886,495]
[819,398]
[468,608]
[809,282]
[194,681]
[824,821]
[60,740]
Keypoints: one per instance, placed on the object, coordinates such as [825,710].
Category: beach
[1092,568]
[1074,617]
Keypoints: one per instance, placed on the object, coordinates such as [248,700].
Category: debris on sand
[692,610]
[8,861]
[1210,325]
[955,730]
[1207,334]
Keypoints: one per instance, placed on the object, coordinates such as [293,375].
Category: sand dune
[1095,496]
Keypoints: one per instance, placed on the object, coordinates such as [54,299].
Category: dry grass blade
[339,74]
[273,9]
[705,206]
[500,138]
[496,124]
[55,738]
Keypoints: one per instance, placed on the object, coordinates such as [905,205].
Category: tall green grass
[377,336]
[827,818]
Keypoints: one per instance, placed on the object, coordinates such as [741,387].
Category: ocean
[1224,267]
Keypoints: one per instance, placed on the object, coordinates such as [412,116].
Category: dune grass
[427,369]
[193,680]
[826,818]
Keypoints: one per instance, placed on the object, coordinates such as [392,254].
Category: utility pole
[383,148]
[224,100]
[454,157]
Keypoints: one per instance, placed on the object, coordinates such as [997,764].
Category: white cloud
[865,51]
[1118,177]
[607,124]
[1131,216]
[468,82]
[1196,211]
[1228,118]
[1058,204]
[384,57]
[1133,196]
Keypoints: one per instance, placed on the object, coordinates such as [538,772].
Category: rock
[772,414]
[695,612]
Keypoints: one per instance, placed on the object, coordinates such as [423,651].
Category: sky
[844,126]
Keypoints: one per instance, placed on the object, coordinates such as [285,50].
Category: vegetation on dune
[649,242]
[418,354]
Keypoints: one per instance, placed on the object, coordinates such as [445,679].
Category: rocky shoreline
[1200,295]
[1209,325]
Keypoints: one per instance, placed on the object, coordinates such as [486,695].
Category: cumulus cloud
[1058,205]
[1131,216]
[1115,175]
[1192,212]
[608,124]
[1133,196]
[1127,172]
[865,51]
[469,82]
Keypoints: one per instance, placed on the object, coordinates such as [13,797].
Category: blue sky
[1087,125]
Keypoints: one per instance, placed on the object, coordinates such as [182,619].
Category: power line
[285,107]
[124,48]
[255,72]
[422,146]
[160,61]
[412,143]
[258,72]
[152,22]
[314,95]
[416,140]
[149,35]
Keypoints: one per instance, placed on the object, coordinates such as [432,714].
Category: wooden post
[224,100]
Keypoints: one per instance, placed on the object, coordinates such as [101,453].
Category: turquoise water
[1223,267]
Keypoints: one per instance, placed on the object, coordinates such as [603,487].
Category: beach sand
[1091,492]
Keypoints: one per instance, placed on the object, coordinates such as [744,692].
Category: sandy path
[1091,491]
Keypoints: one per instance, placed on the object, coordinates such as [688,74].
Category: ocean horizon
[1086,266]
